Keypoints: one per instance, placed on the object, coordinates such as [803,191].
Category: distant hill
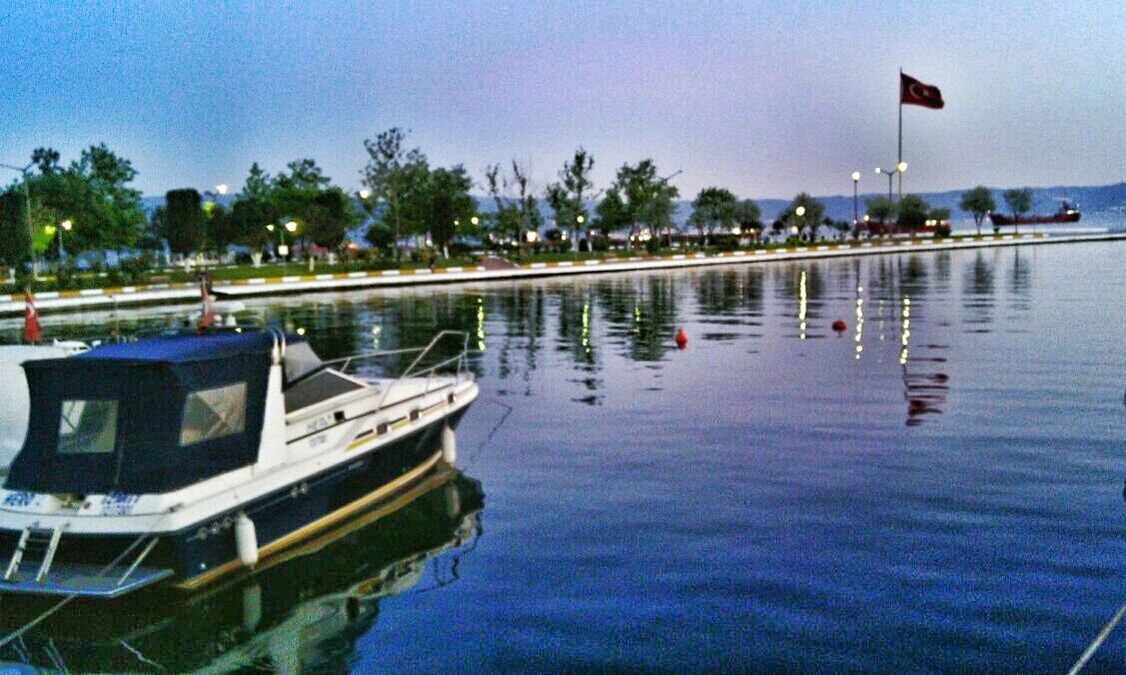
[1099,202]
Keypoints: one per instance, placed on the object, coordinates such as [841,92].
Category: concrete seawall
[161,293]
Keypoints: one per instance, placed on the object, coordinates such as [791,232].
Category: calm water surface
[937,487]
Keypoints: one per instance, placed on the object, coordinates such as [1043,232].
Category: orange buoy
[839,325]
[681,339]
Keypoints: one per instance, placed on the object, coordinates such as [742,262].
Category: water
[938,487]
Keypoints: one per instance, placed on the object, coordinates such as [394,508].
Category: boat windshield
[87,426]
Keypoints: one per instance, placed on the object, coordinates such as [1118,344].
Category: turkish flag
[31,327]
[914,92]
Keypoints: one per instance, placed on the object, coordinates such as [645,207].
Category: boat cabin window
[87,426]
[213,413]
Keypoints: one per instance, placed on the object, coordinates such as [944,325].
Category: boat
[301,610]
[180,459]
[1067,213]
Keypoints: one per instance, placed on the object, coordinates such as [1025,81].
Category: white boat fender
[246,540]
[449,445]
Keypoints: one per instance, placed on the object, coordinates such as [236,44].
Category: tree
[393,174]
[328,218]
[612,213]
[47,159]
[248,219]
[748,217]
[645,196]
[113,218]
[912,213]
[14,241]
[979,202]
[714,207]
[180,221]
[450,204]
[814,211]
[1019,201]
[258,184]
[880,209]
[566,196]
[517,210]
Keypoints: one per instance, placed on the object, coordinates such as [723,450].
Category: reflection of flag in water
[31,328]
[207,316]
[914,92]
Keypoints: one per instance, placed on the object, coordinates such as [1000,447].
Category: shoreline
[155,294]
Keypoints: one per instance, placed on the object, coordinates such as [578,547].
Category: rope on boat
[492,432]
[1099,639]
[37,620]
[141,657]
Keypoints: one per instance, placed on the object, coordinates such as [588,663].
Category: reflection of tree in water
[330,327]
[912,275]
[942,271]
[576,324]
[1019,282]
[642,312]
[726,297]
[977,292]
[521,307]
[800,288]
[719,293]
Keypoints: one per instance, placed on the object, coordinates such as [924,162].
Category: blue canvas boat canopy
[145,417]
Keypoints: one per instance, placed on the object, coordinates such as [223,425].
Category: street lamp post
[282,249]
[800,213]
[65,225]
[855,205]
[889,174]
[579,220]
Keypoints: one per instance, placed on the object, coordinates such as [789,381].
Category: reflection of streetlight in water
[924,392]
[859,320]
[801,305]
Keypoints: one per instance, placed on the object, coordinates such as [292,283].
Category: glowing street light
[474,220]
[221,188]
[364,193]
[65,225]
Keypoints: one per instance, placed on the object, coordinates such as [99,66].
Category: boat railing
[418,366]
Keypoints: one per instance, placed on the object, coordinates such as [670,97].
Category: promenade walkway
[500,270]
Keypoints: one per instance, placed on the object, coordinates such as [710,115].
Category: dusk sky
[763,100]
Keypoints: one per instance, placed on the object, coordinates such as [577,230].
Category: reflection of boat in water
[1067,213]
[189,457]
[303,610]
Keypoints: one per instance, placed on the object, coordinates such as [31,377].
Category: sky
[766,99]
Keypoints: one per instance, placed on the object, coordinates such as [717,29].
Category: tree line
[89,206]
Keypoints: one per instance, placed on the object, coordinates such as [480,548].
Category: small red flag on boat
[207,317]
[31,327]
[914,92]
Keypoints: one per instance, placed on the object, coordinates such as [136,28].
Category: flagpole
[899,160]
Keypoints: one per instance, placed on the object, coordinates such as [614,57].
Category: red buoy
[839,325]
[681,339]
